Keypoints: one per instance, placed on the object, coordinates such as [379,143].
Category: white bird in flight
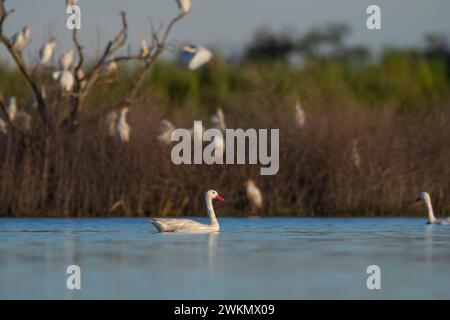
[184,5]
[218,120]
[254,195]
[123,129]
[46,52]
[191,226]
[20,39]
[165,131]
[66,60]
[300,116]
[195,57]
[66,80]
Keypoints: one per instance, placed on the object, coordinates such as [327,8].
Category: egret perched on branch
[300,117]
[218,120]
[66,60]
[144,48]
[12,108]
[123,129]
[109,67]
[46,52]
[20,39]
[184,5]
[165,131]
[66,80]
[195,57]
[254,195]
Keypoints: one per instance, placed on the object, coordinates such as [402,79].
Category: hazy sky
[228,24]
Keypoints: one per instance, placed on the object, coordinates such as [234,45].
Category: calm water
[250,259]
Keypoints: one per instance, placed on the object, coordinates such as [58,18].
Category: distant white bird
[425,197]
[109,67]
[12,108]
[123,129]
[66,80]
[165,131]
[144,48]
[195,57]
[218,120]
[71,2]
[355,157]
[3,126]
[184,5]
[219,145]
[66,60]
[46,52]
[254,195]
[300,116]
[20,39]
[111,121]
[80,75]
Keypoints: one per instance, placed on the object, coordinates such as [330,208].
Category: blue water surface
[257,258]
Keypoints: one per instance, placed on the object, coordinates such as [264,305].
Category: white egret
[191,226]
[184,5]
[144,49]
[254,195]
[218,120]
[123,129]
[20,39]
[425,197]
[12,108]
[66,60]
[219,145]
[195,57]
[3,126]
[300,116]
[165,131]
[66,80]
[46,52]
[109,67]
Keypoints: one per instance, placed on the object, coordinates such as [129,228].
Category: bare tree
[84,83]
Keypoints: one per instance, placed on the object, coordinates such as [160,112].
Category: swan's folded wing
[168,224]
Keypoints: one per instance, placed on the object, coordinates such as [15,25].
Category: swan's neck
[211,213]
[431,217]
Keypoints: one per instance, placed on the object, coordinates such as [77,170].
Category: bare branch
[17,56]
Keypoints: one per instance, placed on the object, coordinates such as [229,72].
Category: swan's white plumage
[425,197]
[188,225]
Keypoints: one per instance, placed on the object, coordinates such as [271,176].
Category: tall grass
[397,109]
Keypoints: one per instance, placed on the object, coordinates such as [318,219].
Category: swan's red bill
[219,198]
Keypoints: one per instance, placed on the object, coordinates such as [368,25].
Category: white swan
[191,226]
[425,197]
